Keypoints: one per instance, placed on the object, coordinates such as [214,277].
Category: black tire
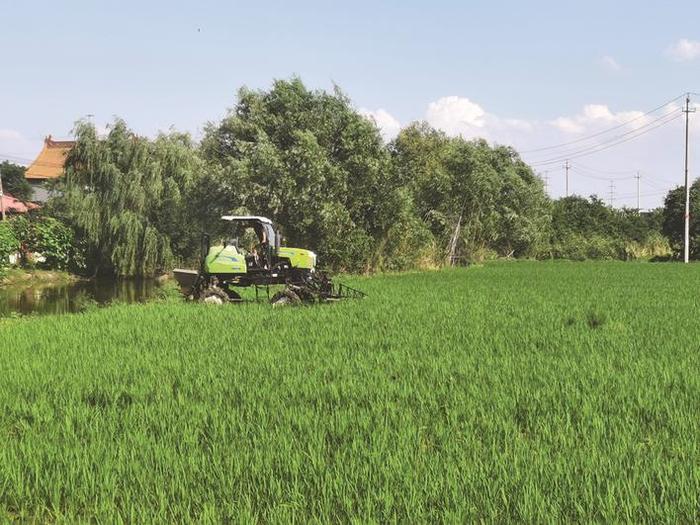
[305,295]
[213,295]
[285,297]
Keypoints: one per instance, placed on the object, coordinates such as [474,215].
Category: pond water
[42,298]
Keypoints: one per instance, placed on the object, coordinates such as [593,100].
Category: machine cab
[260,252]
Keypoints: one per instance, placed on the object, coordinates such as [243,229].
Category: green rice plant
[478,394]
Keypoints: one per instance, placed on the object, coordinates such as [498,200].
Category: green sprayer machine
[226,266]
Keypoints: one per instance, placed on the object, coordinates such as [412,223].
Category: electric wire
[604,146]
[588,137]
[644,128]
[606,172]
[583,173]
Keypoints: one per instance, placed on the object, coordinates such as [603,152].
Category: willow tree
[127,196]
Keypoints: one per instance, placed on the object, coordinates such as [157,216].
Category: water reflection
[73,297]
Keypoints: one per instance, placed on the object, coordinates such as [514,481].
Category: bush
[54,241]
[655,247]
[582,247]
[8,244]
[47,243]
[409,245]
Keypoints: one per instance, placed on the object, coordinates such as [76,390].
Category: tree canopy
[674,215]
[310,162]
[320,170]
[14,181]
[127,196]
[472,196]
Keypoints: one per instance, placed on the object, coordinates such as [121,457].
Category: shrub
[582,247]
[8,243]
[54,241]
[654,246]
[409,245]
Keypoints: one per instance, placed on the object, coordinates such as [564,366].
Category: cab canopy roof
[242,218]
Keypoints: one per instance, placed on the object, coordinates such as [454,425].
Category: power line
[583,173]
[14,158]
[588,137]
[602,147]
[605,172]
[646,194]
[655,185]
[641,130]
[27,162]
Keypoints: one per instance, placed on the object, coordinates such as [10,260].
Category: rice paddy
[525,391]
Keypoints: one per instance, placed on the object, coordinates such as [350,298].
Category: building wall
[39,191]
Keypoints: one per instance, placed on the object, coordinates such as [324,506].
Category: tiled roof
[49,163]
[13,205]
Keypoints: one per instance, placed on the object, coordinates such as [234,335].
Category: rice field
[526,391]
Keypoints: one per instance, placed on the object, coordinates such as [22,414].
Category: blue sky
[527,73]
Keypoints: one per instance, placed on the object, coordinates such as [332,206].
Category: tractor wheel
[214,295]
[285,297]
[306,296]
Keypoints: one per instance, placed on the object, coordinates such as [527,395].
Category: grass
[22,277]
[533,392]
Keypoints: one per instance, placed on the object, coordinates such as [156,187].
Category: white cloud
[610,63]
[456,116]
[387,124]
[596,115]
[684,50]
[461,116]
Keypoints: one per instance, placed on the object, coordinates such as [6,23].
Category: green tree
[313,164]
[472,197]
[673,219]
[14,182]
[589,229]
[578,215]
[126,196]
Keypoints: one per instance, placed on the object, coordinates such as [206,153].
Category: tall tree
[311,162]
[673,219]
[127,196]
[472,196]
[14,182]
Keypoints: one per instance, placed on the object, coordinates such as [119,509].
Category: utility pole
[567,166]
[638,176]
[612,192]
[2,201]
[686,244]
[546,180]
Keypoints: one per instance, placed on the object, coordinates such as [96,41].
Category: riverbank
[46,292]
[18,277]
